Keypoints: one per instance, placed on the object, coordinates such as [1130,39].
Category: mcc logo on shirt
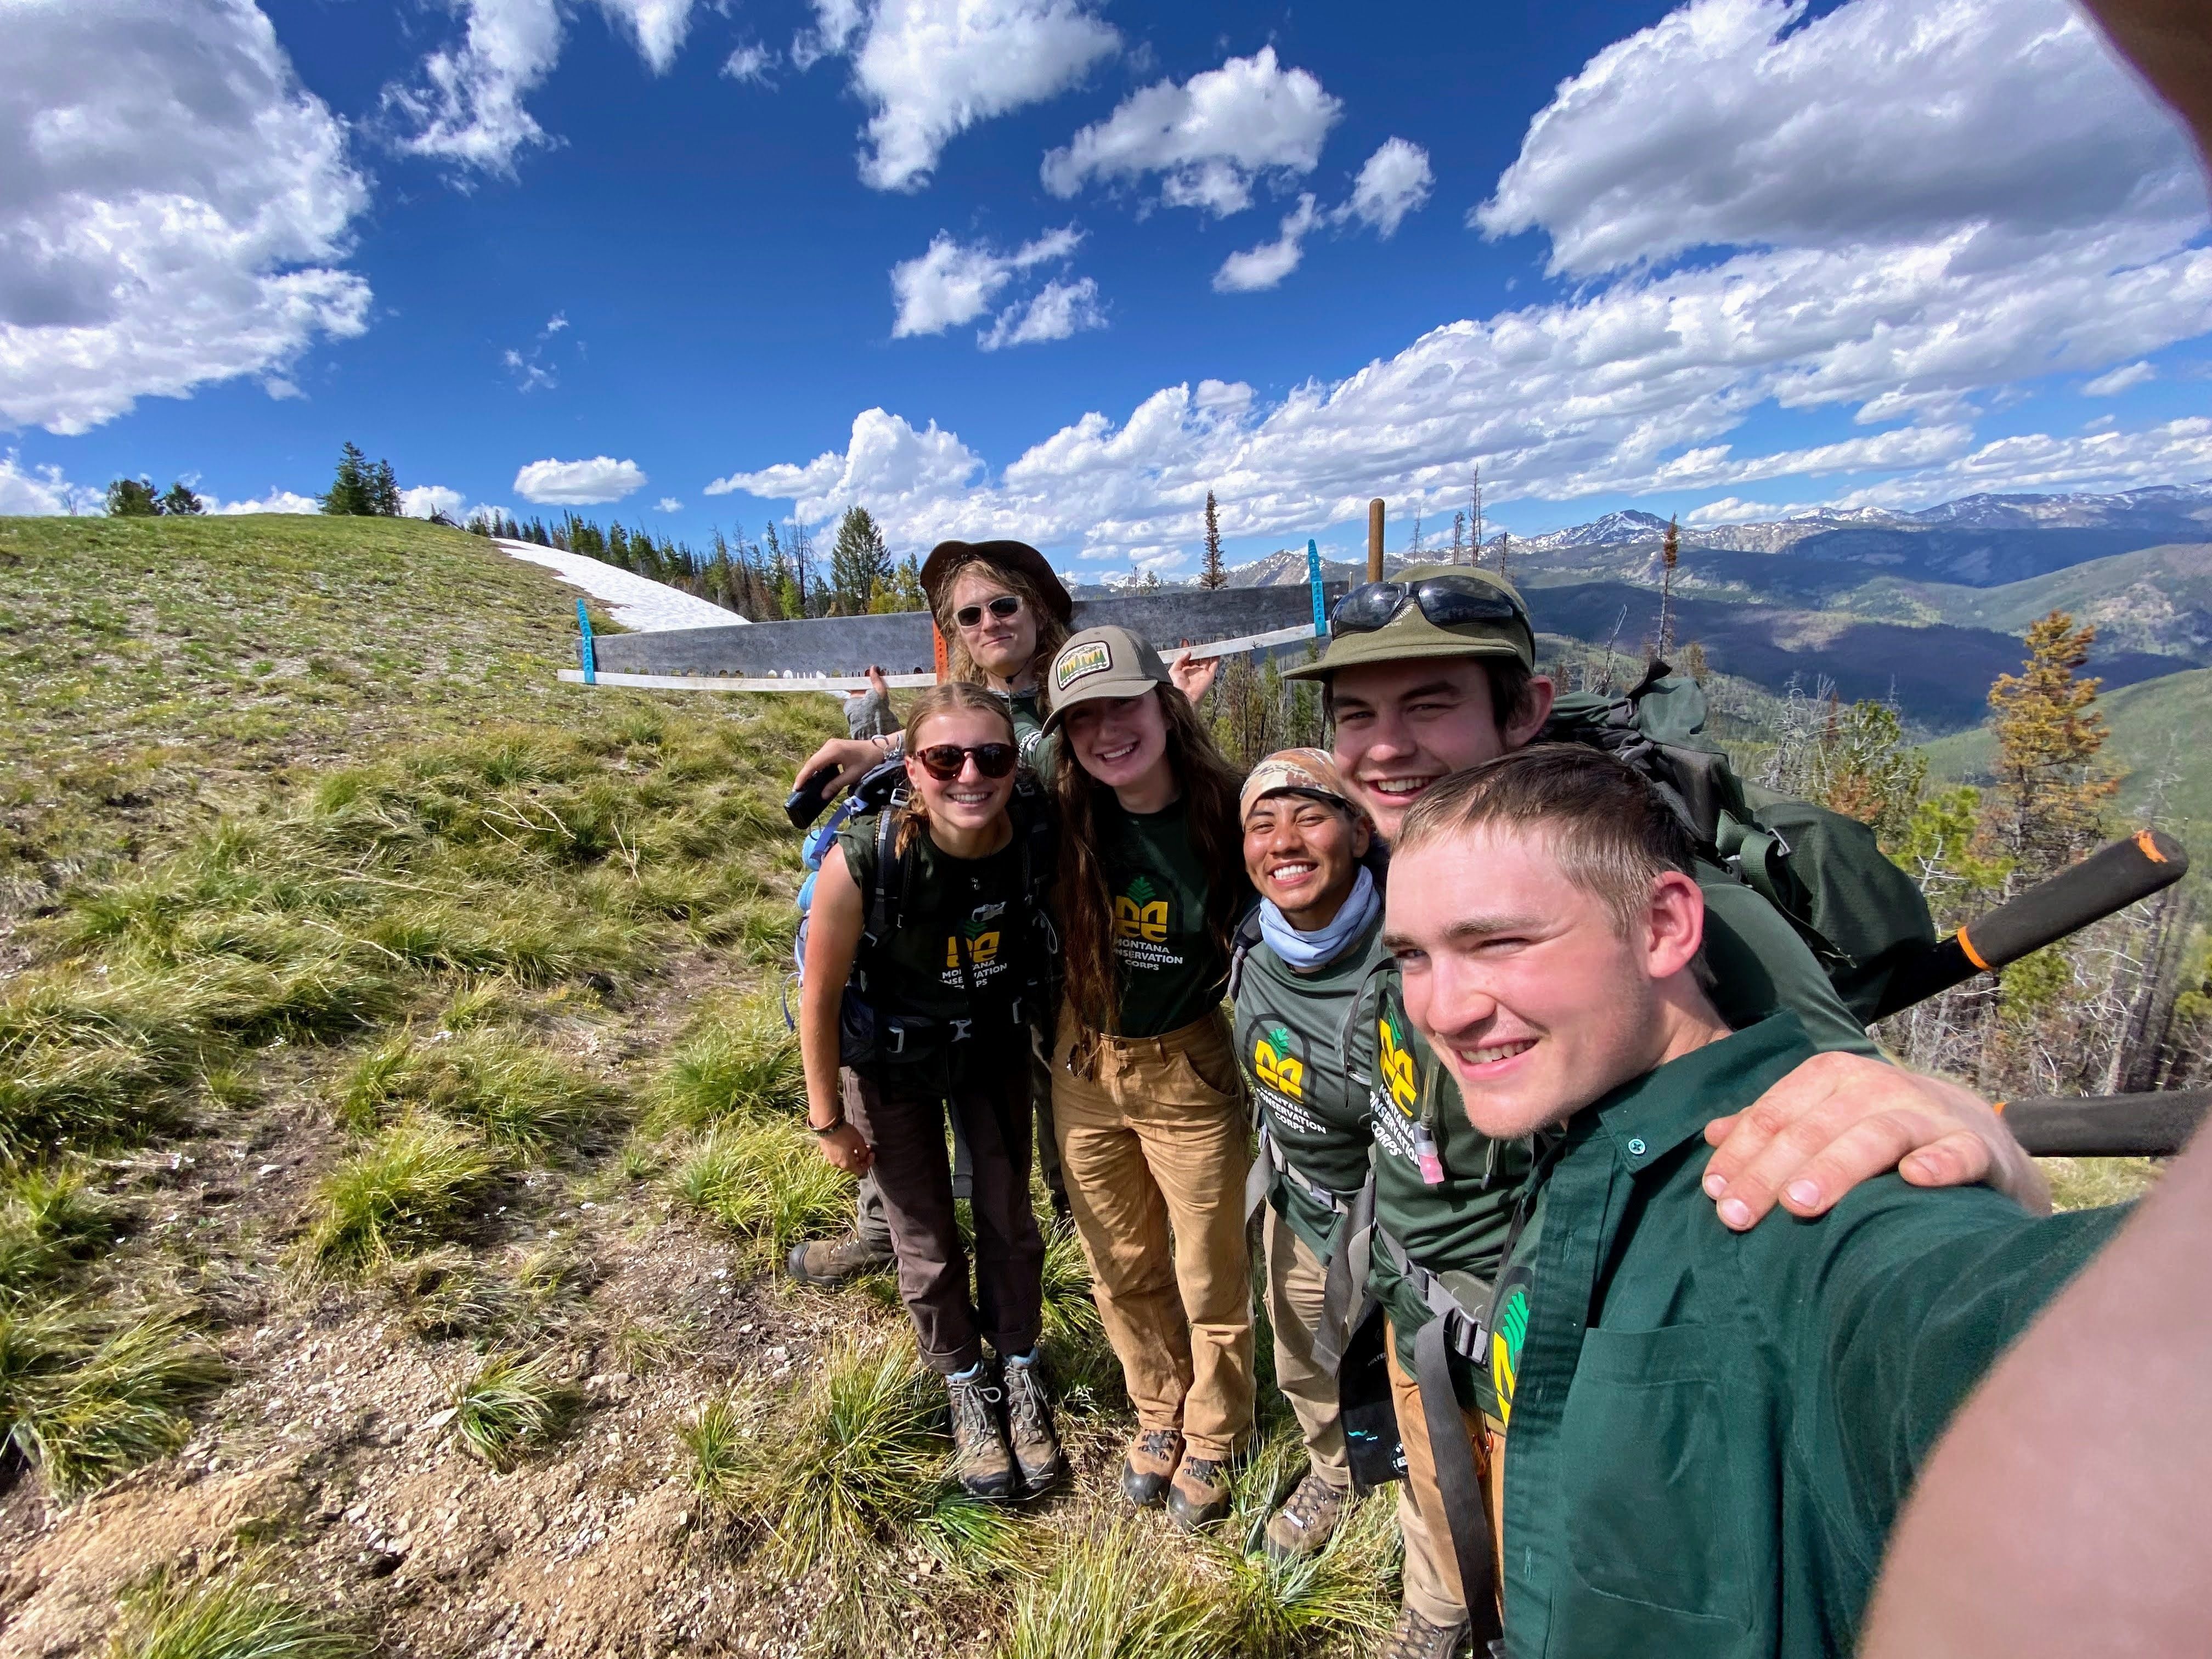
[1137,915]
[1276,1066]
[1396,1064]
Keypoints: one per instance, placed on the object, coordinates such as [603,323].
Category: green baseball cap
[1099,663]
[1409,636]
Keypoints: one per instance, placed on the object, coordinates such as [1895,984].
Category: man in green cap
[1427,675]
[1710,1430]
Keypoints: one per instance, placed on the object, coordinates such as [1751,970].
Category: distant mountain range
[1928,605]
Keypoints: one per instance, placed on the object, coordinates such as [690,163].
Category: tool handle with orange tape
[2109,880]
[2109,1126]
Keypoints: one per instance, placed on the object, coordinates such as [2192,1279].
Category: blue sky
[1054,268]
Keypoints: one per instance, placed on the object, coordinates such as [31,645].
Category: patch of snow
[639,602]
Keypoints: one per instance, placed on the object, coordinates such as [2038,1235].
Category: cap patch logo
[1096,658]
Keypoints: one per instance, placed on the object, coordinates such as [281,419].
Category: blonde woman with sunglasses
[926,943]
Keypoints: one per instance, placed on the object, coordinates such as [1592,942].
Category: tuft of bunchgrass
[50,1221]
[851,1461]
[737,1060]
[508,1405]
[446,1292]
[2089,1183]
[642,1347]
[767,1182]
[522,1096]
[239,1614]
[87,1396]
[412,1186]
[1115,1593]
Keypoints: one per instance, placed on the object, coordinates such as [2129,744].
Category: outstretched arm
[1841,1119]
[854,757]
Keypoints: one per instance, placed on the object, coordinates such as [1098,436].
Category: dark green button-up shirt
[1712,1432]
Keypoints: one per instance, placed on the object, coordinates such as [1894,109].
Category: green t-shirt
[1170,965]
[947,903]
[1291,1043]
[1712,1432]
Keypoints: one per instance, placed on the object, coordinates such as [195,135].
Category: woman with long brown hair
[1150,1124]
[926,943]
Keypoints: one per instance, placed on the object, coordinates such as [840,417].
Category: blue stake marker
[584,646]
[1313,579]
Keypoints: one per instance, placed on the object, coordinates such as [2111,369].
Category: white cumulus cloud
[668,504]
[1264,266]
[274,501]
[748,63]
[1731,510]
[2112,383]
[1882,121]
[1645,380]
[467,105]
[579,484]
[173,208]
[1058,310]
[1395,182]
[40,491]
[929,70]
[954,282]
[424,500]
[1209,137]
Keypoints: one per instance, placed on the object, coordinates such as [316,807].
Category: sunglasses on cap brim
[946,761]
[1446,601]
[971,616]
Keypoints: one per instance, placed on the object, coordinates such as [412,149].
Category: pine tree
[1863,766]
[859,562]
[178,499]
[1459,536]
[1212,574]
[348,493]
[1670,555]
[2048,807]
[131,498]
[384,492]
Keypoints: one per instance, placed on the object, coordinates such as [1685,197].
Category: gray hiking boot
[1415,1638]
[1150,1465]
[980,1460]
[824,1262]
[1028,1425]
[1307,1519]
[1199,1494]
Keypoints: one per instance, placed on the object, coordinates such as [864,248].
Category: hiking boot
[1029,1425]
[980,1460]
[1307,1519]
[1150,1464]
[1415,1638]
[1199,1494]
[823,1263]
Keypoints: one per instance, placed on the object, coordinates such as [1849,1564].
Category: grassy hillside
[154,670]
[397,1128]
[2157,744]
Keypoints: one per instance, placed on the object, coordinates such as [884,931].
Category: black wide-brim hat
[946,557]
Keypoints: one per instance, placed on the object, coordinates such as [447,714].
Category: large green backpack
[1860,914]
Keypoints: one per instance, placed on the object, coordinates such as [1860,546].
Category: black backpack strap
[1242,944]
[1459,1483]
[1344,1298]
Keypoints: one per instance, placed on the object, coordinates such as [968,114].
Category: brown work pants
[902,1118]
[1153,1143]
[1432,1576]
[1296,1280]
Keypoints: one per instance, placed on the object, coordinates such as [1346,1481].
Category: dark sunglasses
[946,761]
[969,616]
[1447,601]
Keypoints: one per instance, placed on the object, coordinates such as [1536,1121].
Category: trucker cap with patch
[1298,771]
[1391,621]
[1099,663]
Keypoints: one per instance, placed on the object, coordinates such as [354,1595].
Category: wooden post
[1375,540]
[937,652]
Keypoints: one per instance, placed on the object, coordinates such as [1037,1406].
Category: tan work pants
[1432,1576]
[1153,1144]
[1296,1280]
